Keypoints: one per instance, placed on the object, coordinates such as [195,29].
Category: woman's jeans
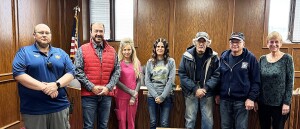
[162,110]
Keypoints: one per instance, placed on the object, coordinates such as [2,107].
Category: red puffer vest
[96,71]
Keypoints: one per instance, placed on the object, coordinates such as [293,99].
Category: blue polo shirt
[30,60]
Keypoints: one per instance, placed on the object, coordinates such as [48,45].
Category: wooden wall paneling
[135,14]
[54,22]
[231,9]
[217,117]
[76,117]
[112,122]
[177,119]
[253,121]
[294,119]
[7,35]
[249,19]
[171,28]
[193,16]
[297,115]
[6,77]
[285,50]
[9,109]
[54,18]
[266,22]
[142,116]
[264,51]
[115,45]
[66,42]
[67,18]
[84,14]
[296,58]
[152,23]
[30,13]
[297,80]
[9,101]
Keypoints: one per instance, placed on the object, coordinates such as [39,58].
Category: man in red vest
[98,71]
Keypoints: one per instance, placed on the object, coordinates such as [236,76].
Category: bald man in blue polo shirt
[42,72]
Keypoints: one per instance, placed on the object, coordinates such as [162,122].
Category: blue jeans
[95,106]
[233,115]
[191,108]
[163,109]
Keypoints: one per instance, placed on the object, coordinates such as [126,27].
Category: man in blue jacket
[197,65]
[239,83]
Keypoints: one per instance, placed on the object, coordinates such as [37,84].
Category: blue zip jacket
[187,72]
[242,81]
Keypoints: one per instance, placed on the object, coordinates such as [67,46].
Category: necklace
[127,61]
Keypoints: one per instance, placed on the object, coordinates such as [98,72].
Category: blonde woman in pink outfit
[128,86]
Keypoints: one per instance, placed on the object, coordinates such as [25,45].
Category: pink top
[128,78]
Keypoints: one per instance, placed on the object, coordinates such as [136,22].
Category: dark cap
[203,35]
[237,35]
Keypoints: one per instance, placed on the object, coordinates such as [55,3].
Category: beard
[98,38]
[43,45]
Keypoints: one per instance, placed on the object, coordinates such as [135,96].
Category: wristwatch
[58,85]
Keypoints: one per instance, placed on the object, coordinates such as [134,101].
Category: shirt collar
[96,45]
[37,50]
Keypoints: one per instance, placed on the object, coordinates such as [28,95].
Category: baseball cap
[237,35]
[203,35]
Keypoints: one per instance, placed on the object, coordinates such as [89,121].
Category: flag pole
[77,10]
[75,38]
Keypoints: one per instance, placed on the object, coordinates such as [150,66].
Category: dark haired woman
[159,78]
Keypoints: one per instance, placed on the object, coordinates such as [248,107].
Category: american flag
[75,38]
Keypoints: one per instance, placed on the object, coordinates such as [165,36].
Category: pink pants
[125,113]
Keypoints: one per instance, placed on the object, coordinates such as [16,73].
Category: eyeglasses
[43,32]
[98,31]
[231,42]
[273,41]
[202,42]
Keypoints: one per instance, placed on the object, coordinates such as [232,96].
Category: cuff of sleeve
[195,89]
[161,98]
[132,98]
[206,87]
[287,103]
[252,98]
[109,87]
[132,92]
[89,87]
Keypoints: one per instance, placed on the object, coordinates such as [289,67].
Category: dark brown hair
[166,53]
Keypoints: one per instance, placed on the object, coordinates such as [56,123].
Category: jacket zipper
[204,64]
[101,67]
[231,72]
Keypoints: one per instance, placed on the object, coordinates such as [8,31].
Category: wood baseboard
[13,125]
